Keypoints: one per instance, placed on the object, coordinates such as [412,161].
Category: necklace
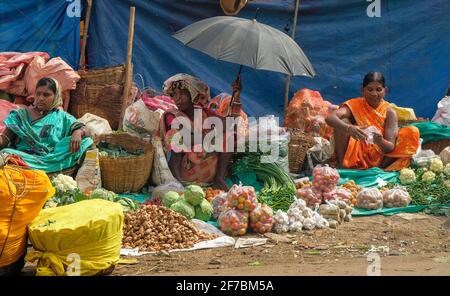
[38,111]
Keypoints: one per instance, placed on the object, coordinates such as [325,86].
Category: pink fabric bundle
[20,72]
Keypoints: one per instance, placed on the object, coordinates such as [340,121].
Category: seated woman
[44,136]
[393,147]
[189,94]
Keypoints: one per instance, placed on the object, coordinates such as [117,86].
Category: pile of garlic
[298,217]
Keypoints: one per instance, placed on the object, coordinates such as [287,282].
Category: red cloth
[5,108]
[159,102]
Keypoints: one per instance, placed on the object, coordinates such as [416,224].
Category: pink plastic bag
[325,179]
[309,196]
[219,204]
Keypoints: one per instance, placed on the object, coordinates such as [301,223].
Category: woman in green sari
[43,135]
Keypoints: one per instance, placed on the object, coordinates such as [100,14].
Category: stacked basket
[126,174]
[100,92]
[299,145]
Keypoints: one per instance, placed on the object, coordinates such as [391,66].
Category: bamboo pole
[288,78]
[128,66]
[81,63]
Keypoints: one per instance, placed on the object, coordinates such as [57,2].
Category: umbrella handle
[237,106]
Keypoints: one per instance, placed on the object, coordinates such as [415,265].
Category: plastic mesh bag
[242,198]
[261,219]
[233,222]
[369,199]
[309,196]
[219,204]
[396,198]
[325,179]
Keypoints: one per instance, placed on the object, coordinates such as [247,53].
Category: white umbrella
[246,42]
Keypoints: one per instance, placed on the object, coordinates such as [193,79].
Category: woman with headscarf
[43,135]
[192,164]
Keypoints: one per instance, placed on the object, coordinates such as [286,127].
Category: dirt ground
[417,244]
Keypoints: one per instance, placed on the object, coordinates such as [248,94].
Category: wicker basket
[102,100]
[437,146]
[126,174]
[109,75]
[299,145]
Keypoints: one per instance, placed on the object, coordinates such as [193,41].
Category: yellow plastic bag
[78,239]
[404,113]
[23,193]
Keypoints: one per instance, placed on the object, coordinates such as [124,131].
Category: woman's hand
[378,139]
[356,133]
[236,86]
[75,140]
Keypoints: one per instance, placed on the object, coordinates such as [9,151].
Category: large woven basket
[126,174]
[299,145]
[109,75]
[105,101]
[437,146]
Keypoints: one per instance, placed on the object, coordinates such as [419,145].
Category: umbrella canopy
[247,42]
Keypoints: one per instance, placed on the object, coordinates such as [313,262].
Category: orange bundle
[307,111]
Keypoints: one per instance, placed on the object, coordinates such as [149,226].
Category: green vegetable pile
[127,203]
[279,191]
[427,191]
[116,151]
[192,205]
[74,195]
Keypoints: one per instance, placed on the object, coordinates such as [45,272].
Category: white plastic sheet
[220,242]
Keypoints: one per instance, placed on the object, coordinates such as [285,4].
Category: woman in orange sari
[191,94]
[392,147]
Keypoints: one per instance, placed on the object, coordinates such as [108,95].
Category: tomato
[242,231]
[234,225]
[240,206]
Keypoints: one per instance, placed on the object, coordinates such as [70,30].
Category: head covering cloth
[198,90]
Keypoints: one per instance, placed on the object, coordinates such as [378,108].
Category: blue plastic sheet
[409,43]
[51,26]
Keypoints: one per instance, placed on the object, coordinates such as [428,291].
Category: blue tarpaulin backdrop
[51,26]
[409,43]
